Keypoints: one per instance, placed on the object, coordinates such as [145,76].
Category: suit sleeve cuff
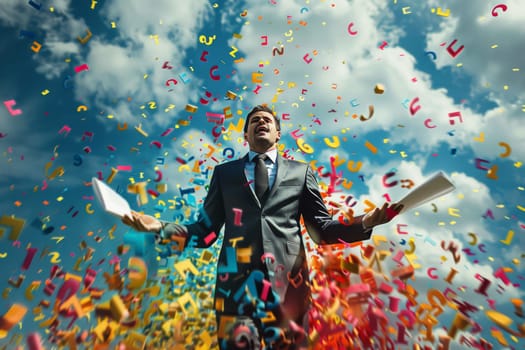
[161,235]
[366,230]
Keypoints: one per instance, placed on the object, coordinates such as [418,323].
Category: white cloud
[179,20]
[347,67]
[492,57]
[476,29]
[149,36]
[457,211]
[146,37]
[429,227]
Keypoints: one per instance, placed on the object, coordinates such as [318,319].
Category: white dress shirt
[271,165]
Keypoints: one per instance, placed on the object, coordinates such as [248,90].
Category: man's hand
[382,215]
[142,222]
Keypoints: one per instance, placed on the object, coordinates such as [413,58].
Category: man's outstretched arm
[324,229]
[210,219]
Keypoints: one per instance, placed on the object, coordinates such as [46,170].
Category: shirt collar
[272,155]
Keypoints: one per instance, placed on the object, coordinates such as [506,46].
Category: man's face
[262,133]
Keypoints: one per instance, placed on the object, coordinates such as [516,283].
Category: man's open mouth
[261,129]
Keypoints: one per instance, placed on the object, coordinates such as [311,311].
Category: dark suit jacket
[271,228]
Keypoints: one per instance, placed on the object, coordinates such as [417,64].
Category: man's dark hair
[262,108]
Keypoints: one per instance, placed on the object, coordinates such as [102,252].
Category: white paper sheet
[110,200]
[435,186]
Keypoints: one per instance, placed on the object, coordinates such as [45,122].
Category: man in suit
[262,291]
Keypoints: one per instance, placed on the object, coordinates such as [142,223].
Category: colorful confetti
[149,98]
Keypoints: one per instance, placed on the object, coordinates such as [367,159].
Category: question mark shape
[350,31]
[171,82]
[386,177]
[68,81]
[428,124]
[78,160]
[474,240]
[56,257]
[412,247]
[503,8]
[432,54]
[88,209]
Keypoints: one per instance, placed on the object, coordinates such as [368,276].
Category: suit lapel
[244,179]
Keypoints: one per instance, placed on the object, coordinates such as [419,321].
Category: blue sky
[317,64]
